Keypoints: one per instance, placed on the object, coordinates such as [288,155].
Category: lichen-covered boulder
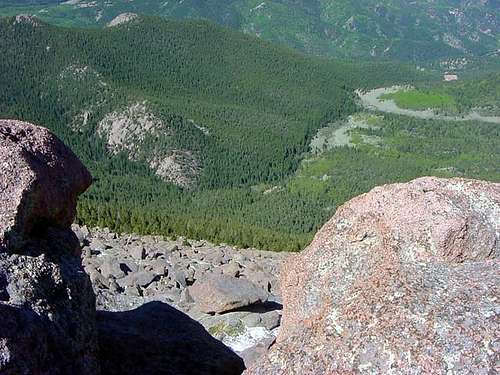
[404,279]
[40,180]
[47,306]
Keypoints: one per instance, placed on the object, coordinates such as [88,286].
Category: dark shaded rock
[47,306]
[158,339]
[22,332]
[40,180]
[403,279]
[216,293]
[54,307]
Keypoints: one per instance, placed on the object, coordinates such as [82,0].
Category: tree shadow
[158,339]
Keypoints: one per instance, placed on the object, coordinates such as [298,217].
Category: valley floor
[371,100]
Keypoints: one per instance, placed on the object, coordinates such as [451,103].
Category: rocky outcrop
[144,136]
[27,19]
[403,279]
[47,306]
[122,18]
[40,179]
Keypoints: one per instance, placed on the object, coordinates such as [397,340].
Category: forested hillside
[192,129]
[368,149]
[371,29]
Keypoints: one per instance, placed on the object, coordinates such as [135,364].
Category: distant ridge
[369,29]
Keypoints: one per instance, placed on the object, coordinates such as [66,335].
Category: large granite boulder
[220,293]
[404,279]
[40,180]
[159,339]
[47,306]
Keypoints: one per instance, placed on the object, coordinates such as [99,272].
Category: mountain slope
[153,105]
[394,29]
[221,83]
[192,129]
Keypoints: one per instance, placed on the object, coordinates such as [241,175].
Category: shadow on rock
[48,312]
[22,332]
[257,308]
[158,339]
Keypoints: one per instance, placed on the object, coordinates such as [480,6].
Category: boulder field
[232,293]
[402,280]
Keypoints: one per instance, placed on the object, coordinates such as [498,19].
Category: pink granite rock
[40,179]
[403,279]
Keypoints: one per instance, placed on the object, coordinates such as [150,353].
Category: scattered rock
[172,268]
[137,252]
[110,268]
[179,276]
[158,267]
[81,233]
[261,278]
[128,266]
[404,278]
[97,246]
[251,356]
[141,278]
[186,296]
[271,319]
[231,269]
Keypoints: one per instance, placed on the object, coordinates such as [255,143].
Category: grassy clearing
[419,100]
